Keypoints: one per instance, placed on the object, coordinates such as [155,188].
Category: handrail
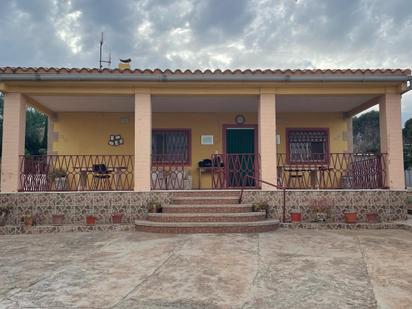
[270,184]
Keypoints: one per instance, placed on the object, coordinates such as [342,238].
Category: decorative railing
[76,173]
[333,171]
[235,171]
[168,172]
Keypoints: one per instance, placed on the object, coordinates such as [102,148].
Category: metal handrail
[270,184]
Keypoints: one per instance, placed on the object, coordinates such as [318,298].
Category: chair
[101,176]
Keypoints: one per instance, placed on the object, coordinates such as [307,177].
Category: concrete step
[206,227]
[207,217]
[207,193]
[210,200]
[222,208]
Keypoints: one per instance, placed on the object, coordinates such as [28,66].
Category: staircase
[207,212]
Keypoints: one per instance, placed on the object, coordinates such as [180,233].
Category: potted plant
[4,213]
[58,177]
[57,219]
[90,218]
[295,215]
[28,220]
[261,206]
[321,209]
[372,216]
[351,216]
[155,207]
[117,218]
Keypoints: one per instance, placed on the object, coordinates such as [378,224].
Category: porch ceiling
[285,103]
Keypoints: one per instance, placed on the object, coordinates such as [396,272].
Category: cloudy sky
[210,33]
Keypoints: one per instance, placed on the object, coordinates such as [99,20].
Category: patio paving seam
[153,273]
[365,262]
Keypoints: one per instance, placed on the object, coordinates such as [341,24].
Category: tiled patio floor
[282,269]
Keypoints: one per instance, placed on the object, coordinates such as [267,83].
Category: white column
[390,122]
[14,129]
[142,141]
[267,139]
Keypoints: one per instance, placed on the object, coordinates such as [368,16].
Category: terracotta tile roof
[28,70]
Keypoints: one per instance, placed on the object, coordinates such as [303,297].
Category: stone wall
[76,205]
[390,205]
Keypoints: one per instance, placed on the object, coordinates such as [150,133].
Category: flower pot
[295,216]
[372,217]
[28,221]
[351,217]
[57,219]
[60,183]
[90,220]
[117,218]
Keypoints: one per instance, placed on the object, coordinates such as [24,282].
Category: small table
[203,170]
[84,171]
[314,171]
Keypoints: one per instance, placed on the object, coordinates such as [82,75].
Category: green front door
[240,150]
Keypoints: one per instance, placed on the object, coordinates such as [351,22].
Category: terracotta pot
[295,216]
[117,218]
[90,220]
[57,219]
[351,217]
[372,217]
[28,221]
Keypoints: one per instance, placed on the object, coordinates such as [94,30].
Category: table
[84,171]
[316,173]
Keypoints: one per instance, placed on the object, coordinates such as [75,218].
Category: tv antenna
[109,60]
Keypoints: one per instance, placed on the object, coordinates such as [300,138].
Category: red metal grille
[168,172]
[307,145]
[235,170]
[76,173]
[171,143]
[338,171]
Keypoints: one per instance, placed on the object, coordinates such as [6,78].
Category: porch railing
[76,173]
[333,171]
[235,171]
[168,172]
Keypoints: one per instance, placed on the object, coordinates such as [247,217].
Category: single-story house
[170,131]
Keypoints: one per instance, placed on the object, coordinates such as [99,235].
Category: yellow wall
[88,133]
[333,121]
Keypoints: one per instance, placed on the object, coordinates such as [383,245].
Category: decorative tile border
[42,229]
[389,205]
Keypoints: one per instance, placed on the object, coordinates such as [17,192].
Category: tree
[36,130]
[366,137]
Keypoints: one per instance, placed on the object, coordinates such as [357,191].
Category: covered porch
[190,140]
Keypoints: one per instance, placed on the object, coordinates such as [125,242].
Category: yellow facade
[88,133]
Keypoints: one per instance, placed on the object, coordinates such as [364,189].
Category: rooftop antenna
[109,60]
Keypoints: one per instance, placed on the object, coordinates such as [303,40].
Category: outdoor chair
[101,177]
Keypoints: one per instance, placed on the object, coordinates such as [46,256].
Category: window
[171,145]
[307,145]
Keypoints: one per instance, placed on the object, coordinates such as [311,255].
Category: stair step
[206,227]
[207,208]
[212,200]
[207,193]
[207,217]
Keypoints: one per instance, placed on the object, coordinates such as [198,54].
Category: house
[138,130]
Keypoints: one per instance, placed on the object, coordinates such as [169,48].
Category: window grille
[171,145]
[307,146]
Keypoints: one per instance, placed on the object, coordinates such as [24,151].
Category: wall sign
[115,140]
[206,139]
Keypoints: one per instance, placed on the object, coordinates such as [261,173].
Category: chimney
[124,64]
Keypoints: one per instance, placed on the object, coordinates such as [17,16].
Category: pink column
[14,127]
[391,139]
[142,141]
[267,139]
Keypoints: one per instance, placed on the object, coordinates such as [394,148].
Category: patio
[283,269]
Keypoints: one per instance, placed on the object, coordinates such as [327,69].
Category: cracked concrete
[282,269]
